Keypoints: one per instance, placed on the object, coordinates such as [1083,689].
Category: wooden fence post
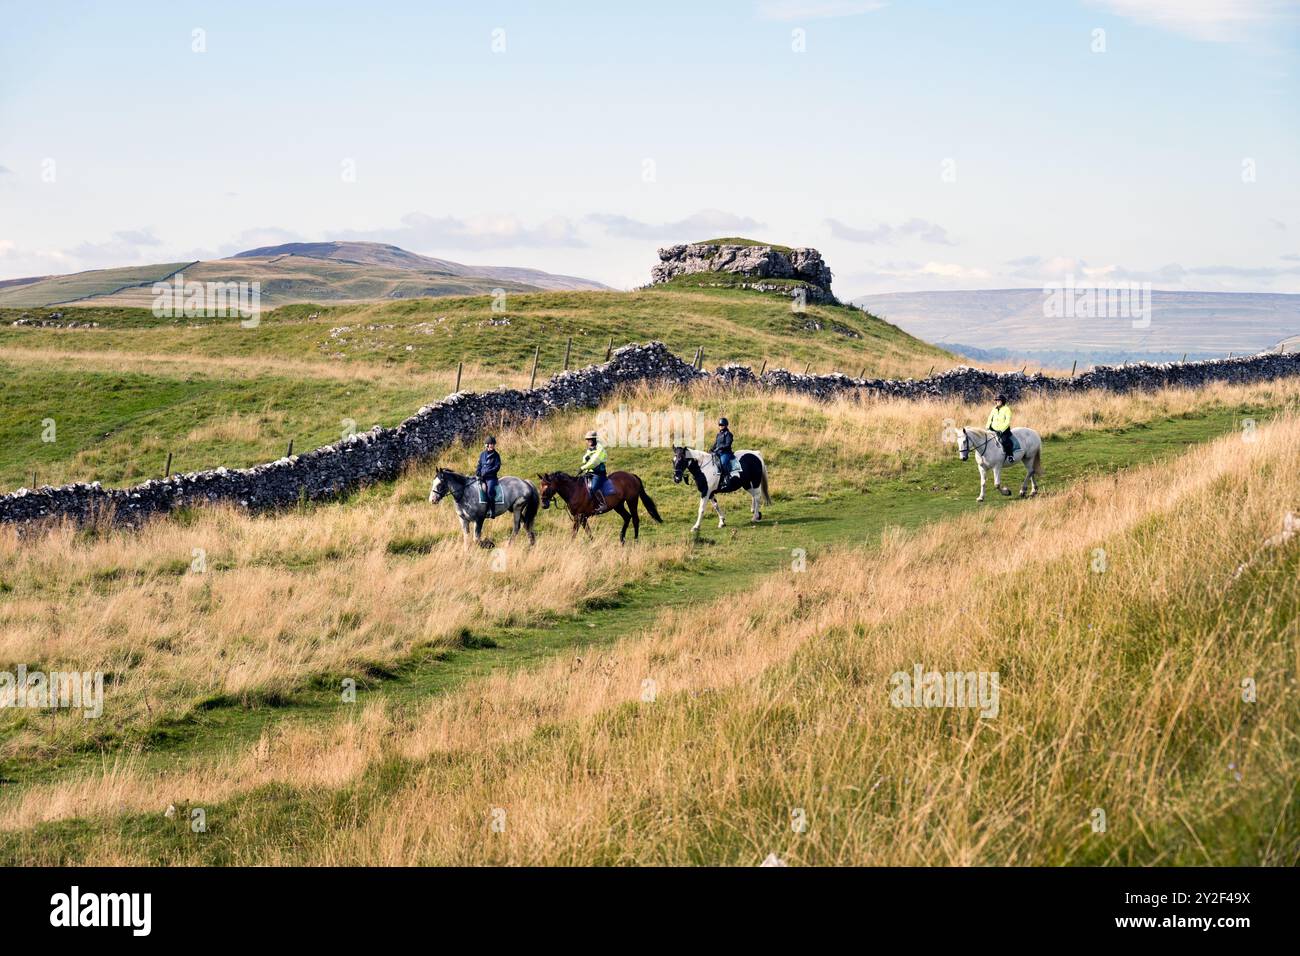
[289,453]
[568,347]
[459,368]
[762,369]
[807,367]
[168,472]
[609,349]
[1074,367]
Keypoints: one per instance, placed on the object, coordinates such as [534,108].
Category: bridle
[980,449]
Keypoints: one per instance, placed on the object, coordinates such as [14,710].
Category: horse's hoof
[980,498]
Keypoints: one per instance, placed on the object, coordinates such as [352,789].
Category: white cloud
[420,231]
[705,224]
[883,233]
[815,9]
[1213,20]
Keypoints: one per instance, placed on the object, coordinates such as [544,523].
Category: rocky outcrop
[752,261]
[382,453]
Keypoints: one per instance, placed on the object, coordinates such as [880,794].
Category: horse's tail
[531,504]
[650,508]
[1038,462]
[767,499]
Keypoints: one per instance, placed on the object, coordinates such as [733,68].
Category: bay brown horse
[629,490]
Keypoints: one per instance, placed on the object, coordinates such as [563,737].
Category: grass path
[725,561]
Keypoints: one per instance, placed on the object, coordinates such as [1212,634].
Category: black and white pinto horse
[519,497]
[703,467]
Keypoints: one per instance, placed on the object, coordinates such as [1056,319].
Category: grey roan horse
[989,455]
[519,497]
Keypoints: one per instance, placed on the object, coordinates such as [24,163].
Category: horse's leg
[722,522]
[478,530]
[636,518]
[464,529]
[753,494]
[982,478]
[699,515]
[622,513]
[1029,470]
[997,480]
[586,528]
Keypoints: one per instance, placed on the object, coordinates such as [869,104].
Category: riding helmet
[591,436]
[1001,399]
[723,423]
[490,440]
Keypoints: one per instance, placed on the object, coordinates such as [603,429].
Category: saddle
[605,486]
[733,470]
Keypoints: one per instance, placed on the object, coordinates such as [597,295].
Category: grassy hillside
[212,392]
[82,285]
[521,686]
[293,272]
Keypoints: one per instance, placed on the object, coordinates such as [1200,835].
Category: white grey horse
[519,497]
[989,455]
[703,467]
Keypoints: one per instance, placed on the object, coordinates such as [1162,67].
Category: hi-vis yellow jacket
[1000,418]
[594,457]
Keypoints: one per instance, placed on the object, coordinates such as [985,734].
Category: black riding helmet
[491,440]
[1001,399]
[723,423]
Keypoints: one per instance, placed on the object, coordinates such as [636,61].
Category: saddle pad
[1015,443]
[606,487]
[500,498]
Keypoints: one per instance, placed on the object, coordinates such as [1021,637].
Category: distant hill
[1009,324]
[320,272]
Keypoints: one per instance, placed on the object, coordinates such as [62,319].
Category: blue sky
[917,144]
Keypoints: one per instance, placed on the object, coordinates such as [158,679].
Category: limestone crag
[752,261]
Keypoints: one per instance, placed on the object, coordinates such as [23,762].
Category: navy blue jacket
[489,463]
[722,444]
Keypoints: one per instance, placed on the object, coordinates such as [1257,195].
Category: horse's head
[549,487]
[963,444]
[679,463]
[440,487]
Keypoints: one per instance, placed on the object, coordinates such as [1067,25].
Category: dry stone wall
[381,453]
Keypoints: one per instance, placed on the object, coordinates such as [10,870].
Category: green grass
[739,241]
[116,426]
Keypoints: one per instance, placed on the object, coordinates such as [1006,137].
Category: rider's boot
[601,507]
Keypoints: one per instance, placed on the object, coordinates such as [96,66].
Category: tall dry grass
[1121,692]
[182,612]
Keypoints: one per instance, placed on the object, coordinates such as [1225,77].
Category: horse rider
[1000,425]
[593,469]
[722,449]
[489,463]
